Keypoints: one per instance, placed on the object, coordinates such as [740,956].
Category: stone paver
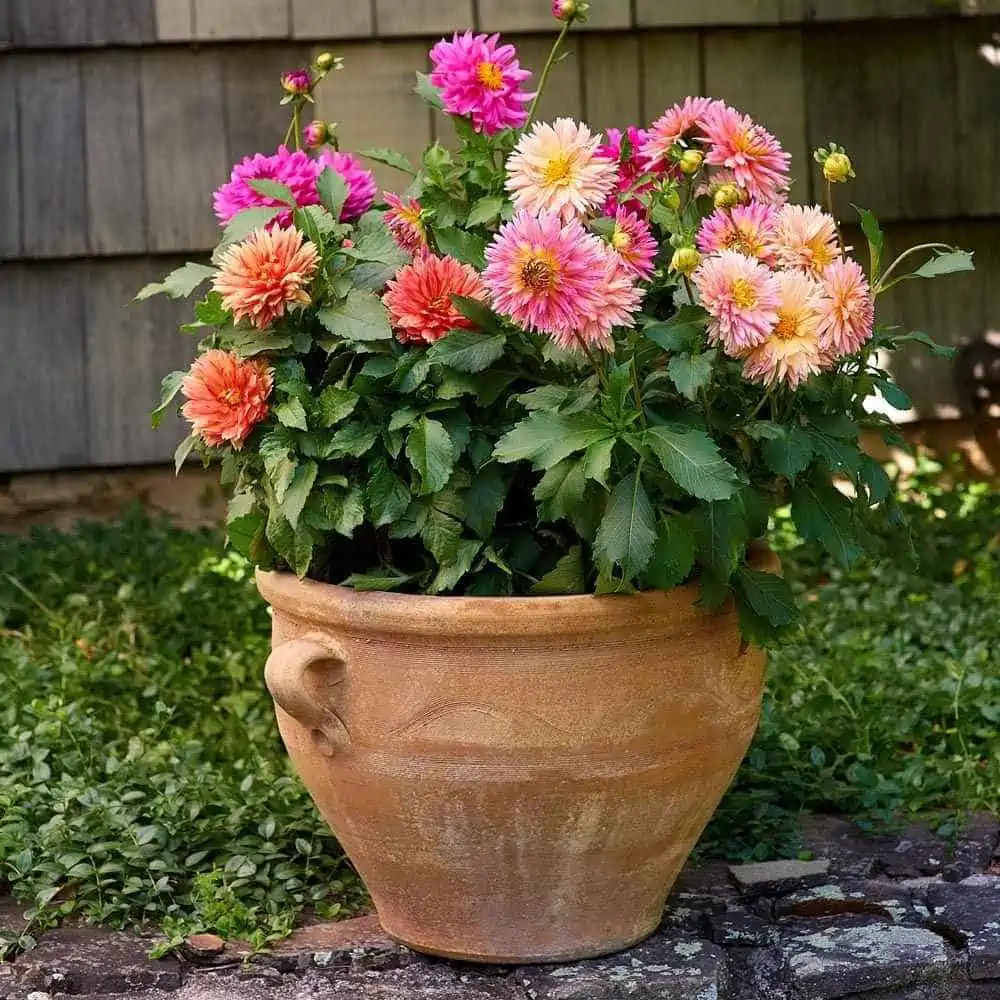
[970,910]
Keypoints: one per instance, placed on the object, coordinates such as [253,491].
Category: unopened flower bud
[685,261]
[347,244]
[570,10]
[297,81]
[672,198]
[727,196]
[691,161]
[837,168]
[316,134]
[325,61]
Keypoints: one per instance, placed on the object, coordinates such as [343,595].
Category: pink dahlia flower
[633,241]
[297,81]
[419,298]
[620,298]
[680,122]
[747,229]
[405,222]
[226,397]
[361,186]
[737,143]
[296,170]
[555,168]
[847,314]
[792,351]
[316,133]
[806,238]
[259,278]
[629,169]
[481,80]
[741,296]
[544,275]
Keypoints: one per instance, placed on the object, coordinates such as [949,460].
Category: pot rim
[424,614]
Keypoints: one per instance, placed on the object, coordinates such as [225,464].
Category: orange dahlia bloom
[260,277]
[226,397]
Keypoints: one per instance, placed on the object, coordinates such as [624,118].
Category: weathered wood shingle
[10,161]
[536,15]
[238,19]
[174,20]
[332,19]
[429,17]
[611,82]
[671,61]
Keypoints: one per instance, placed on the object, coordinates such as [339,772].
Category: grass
[142,780]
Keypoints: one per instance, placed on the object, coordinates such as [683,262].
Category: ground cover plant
[142,779]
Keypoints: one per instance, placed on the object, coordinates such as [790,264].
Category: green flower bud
[691,161]
[685,261]
[727,196]
[837,168]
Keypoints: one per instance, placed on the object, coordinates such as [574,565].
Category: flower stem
[543,79]
[295,125]
[833,215]
[883,286]
[602,375]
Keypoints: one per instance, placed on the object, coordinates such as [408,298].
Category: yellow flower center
[490,75]
[558,169]
[230,397]
[787,326]
[744,294]
[621,240]
[822,255]
[540,271]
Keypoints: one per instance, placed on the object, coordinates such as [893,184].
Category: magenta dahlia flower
[623,149]
[481,80]
[297,81]
[295,170]
[361,186]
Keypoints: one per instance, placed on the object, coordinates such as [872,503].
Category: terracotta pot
[515,779]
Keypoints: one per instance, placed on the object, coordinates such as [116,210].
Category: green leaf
[431,452]
[244,524]
[461,562]
[441,533]
[925,340]
[683,332]
[874,476]
[298,491]
[692,459]
[893,395]
[467,247]
[768,595]
[946,263]
[183,450]
[486,210]
[479,313]
[344,512]
[248,343]
[821,513]
[382,580]
[332,190]
[547,438]
[359,317]
[240,226]
[279,465]
[274,189]
[467,351]
[721,534]
[169,387]
[387,495]
[627,533]
[790,453]
[390,158]
[765,430]
[178,284]
[691,372]
[294,546]
[353,439]
[597,461]
[673,556]
[428,91]
[485,499]
[566,578]
[291,413]
[876,240]
[336,405]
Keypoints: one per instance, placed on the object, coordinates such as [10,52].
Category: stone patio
[898,918]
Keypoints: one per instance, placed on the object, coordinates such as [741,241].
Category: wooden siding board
[671,63]
[43,405]
[611,85]
[184,141]
[978,139]
[5,26]
[53,188]
[332,19]
[174,21]
[429,17]
[130,347]
[761,73]
[10,161]
[116,198]
[44,23]
[536,15]
[671,13]
[846,10]
[235,19]
[120,22]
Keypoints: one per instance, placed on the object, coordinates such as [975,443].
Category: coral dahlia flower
[806,238]
[620,300]
[555,168]
[361,186]
[847,315]
[629,169]
[633,241]
[546,276]
[754,157]
[741,296]
[296,170]
[481,80]
[792,351]
[419,298]
[259,278]
[405,222]
[677,123]
[226,397]
[748,229]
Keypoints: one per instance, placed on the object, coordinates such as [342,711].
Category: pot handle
[290,676]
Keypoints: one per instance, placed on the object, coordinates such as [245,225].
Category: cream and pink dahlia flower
[361,186]
[620,300]
[226,397]
[632,239]
[741,296]
[792,351]
[406,223]
[261,277]
[481,80]
[847,314]
[682,122]
[748,229]
[806,238]
[555,168]
[419,298]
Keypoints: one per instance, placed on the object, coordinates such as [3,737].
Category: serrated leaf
[876,239]
[765,430]
[684,331]
[241,225]
[279,465]
[332,190]
[480,313]
[249,343]
[673,554]
[547,438]
[298,491]
[691,372]
[469,248]
[874,476]
[390,158]
[486,210]
[344,511]
[768,595]
[560,491]
[467,351]
[353,439]
[336,405]
[626,537]
[359,317]
[244,523]
[946,263]
[183,450]
[597,461]
[821,513]
[425,89]
[721,535]
[179,284]
[291,413]
[273,189]
[432,454]
[365,582]
[789,453]
[169,387]
[441,533]
[566,578]
[693,460]
[485,499]
[452,572]
[387,495]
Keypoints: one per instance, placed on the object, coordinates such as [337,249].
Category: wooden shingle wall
[122,116]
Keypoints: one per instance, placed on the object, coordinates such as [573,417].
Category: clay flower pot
[515,779]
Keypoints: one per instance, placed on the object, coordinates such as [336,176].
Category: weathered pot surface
[515,779]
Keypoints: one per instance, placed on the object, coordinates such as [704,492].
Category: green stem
[882,286]
[637,392]
[296,126]
[833,215]
[543,79]
[602,375]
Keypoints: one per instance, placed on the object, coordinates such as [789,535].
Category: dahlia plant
[558,362]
